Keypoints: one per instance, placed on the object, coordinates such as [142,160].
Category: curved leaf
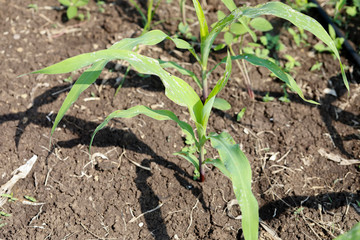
[204,30]
[298,19]
[182,70]
[239,171]
[155,114]
[290,82]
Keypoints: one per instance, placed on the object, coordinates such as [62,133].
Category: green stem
[205,88]
[201,166]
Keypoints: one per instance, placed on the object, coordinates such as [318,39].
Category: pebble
[16,36]
[141,224]
[20,49]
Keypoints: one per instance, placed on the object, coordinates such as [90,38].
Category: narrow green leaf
[218,87]
[31,199]
[229,4]
[221,104]
[204,30]
[239,171]
[189,157]
[290,82]
[182,70]
[99,61]
[298,19]
[155,114]
[220,165]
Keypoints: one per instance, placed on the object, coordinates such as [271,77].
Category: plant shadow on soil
[128,140]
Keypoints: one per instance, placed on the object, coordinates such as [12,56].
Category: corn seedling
[232,162]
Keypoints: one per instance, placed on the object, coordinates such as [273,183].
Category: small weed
[72,8]
[31,199]
[240,115]
[316,66]
[10,197]
[268,98]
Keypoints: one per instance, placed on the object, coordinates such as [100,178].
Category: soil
[134,188]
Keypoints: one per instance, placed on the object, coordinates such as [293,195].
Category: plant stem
[201,166]
[244,72]
[204,86]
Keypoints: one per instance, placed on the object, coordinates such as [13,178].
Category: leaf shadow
[107,137]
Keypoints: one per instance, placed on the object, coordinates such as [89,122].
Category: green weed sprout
[72,7]
[232,162]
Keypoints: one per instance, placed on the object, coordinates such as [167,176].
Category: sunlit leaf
[239,171]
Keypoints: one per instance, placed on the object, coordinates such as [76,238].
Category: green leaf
[239,171]
[99,61]
[220,165]
[261,24]
[238,29]
[204,31]
[65,2]
[184,71]
[290,82]
[353,234]
[240,114]
[81,3]
[220,15]
[155,114]
[189,157]
[298,19]
[71,12]
[221,104]
[332,32]
[218,87]
[31,199]
[229,4]
[4,214]
[229,38]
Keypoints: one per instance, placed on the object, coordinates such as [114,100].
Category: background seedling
[31,199]
[240,115]
[232,162]
[10,197]
[72,7]
[268,98]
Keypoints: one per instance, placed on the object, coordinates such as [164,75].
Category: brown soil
[301,194]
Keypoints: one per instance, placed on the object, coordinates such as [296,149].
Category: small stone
[16,36]
[141,224]
[20,49]
[95,46]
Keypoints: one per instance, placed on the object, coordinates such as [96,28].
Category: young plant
[72,7]
[149,15]
[232,162]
